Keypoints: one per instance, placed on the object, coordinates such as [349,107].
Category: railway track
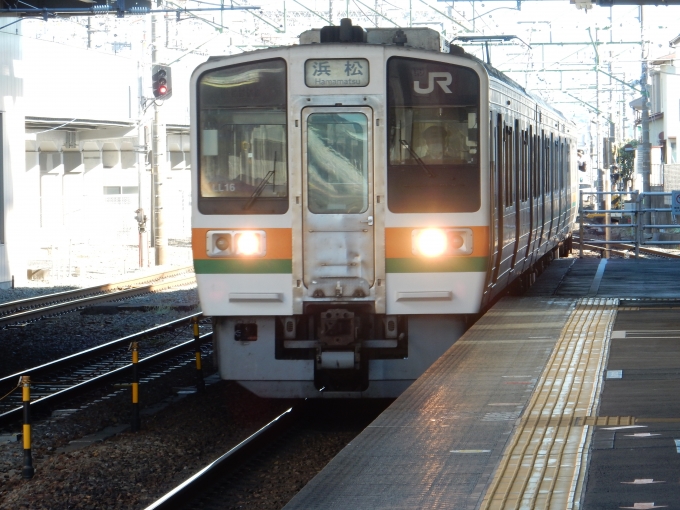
[33,308]
[271,466]
[73,375]
[624,250]
[197,487]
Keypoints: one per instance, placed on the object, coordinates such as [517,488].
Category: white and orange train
[357,196]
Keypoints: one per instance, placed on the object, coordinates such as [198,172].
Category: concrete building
[88,129]
[664,116]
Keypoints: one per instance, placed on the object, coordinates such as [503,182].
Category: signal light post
[161,79]
[162,89]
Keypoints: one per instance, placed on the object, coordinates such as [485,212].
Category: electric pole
[160,242]
[645,149]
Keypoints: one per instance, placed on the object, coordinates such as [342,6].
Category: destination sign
[336,72]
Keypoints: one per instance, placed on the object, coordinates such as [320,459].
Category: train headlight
[250,244]
[431,242]
[436,242]
[236,243]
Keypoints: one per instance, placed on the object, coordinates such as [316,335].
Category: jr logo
[442,79]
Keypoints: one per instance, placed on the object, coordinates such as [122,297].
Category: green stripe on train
[243,266]
[449,265]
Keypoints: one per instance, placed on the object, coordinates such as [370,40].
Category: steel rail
[651,251]
[593,247]
[186,491]
[648,251]
[50,299]
[98,380]
[98,350]
[73,304]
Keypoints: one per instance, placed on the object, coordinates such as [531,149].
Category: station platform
[565,397]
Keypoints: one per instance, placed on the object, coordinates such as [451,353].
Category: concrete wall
[14,177]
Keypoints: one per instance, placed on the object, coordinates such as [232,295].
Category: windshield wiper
[260,187]
[415,156]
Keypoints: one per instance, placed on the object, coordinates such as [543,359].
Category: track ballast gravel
[131,470]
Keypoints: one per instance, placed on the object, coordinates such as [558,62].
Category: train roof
[421,38]
[500,76]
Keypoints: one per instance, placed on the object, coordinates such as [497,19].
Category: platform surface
[518,413]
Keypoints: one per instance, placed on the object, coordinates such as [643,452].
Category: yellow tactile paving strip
[543,465]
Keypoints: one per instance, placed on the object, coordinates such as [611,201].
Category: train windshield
[433,116]
[242,139]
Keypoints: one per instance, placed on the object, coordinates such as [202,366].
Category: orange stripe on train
[279,242]
[398,242]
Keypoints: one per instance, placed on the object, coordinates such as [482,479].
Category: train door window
[563,168]
[517,146]
[546,162]
[499,140]
[558,164]
[509,153]
[533,158]
[2,184]
[242,139]
[555,162]
[567,166]
[337,163]
[541,163]
[524,179]
[522,164]
[433,137]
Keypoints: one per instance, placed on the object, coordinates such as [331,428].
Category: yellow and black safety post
[135,386]
[200,383]
[28,470]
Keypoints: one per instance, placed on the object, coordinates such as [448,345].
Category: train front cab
[338,257]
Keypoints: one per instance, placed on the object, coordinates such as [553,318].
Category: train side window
[242,139]
[433,137]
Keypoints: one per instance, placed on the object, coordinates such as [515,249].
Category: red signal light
[161,81]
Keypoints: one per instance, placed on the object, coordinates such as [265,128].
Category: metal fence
[642,219]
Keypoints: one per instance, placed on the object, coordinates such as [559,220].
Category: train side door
[337,220]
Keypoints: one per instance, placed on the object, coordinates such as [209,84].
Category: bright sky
[562,74]
[532,62]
